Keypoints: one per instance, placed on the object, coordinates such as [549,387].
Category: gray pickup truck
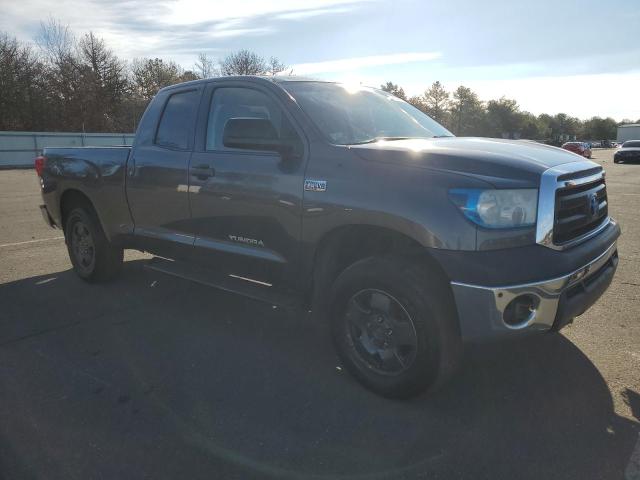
[351,203]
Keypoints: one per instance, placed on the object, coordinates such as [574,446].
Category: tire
[93,257]
[414,295]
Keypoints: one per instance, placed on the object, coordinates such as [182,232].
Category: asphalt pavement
[155,377]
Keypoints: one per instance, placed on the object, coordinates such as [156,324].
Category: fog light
[520,311]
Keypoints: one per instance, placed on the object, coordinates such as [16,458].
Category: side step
[235,284]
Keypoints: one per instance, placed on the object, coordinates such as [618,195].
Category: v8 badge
[315,185]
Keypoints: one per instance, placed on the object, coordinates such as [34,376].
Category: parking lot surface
[156,377]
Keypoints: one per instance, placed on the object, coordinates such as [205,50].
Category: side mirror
[251,134]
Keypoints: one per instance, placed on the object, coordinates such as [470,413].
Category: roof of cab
[270,78]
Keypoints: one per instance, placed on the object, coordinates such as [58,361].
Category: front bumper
[481,309]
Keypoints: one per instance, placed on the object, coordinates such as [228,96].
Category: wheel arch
[346,244]
[72,198]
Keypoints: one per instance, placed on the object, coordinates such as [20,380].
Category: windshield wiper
[390,139]
[377,139]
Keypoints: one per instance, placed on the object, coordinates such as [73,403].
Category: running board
[247,287]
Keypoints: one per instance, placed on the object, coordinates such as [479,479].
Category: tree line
[464,114]
[66,83]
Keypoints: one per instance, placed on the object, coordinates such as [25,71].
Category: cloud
[174,28]
[303,14]
[237,32]
[187,12]
[356,63]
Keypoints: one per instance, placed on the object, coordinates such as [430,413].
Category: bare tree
[55,40]
[22,92]
[64,78]
[150,75]
[205,67]
[104,83]
[275,66]
[243,62]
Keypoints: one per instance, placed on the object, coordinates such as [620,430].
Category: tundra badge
[247,240]
[315,185]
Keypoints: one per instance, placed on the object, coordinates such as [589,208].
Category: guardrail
[18,149]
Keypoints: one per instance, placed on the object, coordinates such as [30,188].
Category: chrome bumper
[481,309]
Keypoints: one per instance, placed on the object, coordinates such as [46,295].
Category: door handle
[203,171]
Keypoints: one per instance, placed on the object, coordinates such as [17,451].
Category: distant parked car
[629,152]
[578,147]
[608,144]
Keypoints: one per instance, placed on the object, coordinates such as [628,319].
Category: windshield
[361,115]
[631,144]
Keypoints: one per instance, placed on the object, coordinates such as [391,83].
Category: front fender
[411,200]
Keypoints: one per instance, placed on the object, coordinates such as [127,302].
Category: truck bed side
[98,173]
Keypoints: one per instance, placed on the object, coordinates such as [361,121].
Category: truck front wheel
[394,327]
[93,257]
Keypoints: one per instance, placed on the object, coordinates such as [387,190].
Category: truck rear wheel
[93,257]
[394,327]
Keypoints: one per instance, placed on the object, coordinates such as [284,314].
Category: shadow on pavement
[155,377]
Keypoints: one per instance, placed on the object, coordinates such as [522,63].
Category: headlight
[497,208]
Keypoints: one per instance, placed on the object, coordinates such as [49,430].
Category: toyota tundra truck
[349,202]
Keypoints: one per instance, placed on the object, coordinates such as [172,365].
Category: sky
[580,57]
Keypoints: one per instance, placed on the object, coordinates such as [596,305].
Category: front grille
[579,210]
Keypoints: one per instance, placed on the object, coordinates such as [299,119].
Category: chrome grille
[579,210]
[572,204]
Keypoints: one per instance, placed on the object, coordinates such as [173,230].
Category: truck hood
[518,162]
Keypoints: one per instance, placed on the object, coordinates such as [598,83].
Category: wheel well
[69,200]
[346,245]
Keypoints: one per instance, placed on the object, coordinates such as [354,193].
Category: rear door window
[175,129]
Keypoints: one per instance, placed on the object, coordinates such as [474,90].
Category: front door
[246,204]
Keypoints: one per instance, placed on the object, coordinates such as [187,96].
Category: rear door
[247,204]
[158,174]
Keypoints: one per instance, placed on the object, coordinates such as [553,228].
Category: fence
[18,149]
